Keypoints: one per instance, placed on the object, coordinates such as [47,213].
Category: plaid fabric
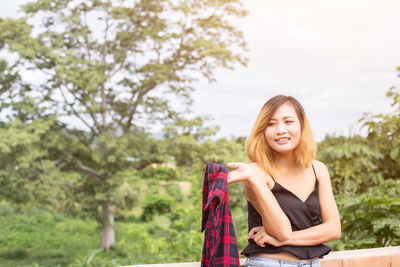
[219,247]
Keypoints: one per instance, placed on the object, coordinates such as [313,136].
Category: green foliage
[371,218]
[156,204]
[30,156]
[128,191]
[366,171]
[113,68]
[192,144]
[87,261]
[15,254]
[114,81]
[195,128]
[174,191]
[43,237]
[352,163]
[384,135]
[160,173]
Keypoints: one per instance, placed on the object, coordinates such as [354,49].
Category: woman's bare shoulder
[321,170]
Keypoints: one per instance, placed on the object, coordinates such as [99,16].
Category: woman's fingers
[234,165]
[235,176]
[240,174]
[262,242]
[259,235]
[260,238]
[253,231]
[232,177]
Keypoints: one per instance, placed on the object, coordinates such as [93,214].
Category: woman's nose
[281,129]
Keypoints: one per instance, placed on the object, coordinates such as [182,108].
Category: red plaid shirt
[220,247]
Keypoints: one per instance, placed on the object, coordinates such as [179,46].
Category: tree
[384,135]
[28,172]
[184,138]
[352,163]
[112,65]
[365,171]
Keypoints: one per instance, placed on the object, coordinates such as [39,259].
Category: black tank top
[302,215]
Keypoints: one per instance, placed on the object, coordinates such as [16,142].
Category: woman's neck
[285,161]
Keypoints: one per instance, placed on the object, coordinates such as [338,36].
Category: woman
[292,210]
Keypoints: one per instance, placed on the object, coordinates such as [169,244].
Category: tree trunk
[108,236]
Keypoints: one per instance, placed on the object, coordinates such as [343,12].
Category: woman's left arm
[329,229]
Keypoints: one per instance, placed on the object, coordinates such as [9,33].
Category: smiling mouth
[282,140]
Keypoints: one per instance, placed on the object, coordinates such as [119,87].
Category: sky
[338,58]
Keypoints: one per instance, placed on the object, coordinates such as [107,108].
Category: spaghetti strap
[314,171]
[273,179]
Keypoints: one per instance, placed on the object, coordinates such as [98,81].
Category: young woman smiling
[291,206]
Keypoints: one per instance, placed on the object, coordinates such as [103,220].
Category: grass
[38,236]
[35,237]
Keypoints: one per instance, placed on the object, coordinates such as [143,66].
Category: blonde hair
[257,148]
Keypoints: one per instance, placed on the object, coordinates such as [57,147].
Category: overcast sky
[338,58]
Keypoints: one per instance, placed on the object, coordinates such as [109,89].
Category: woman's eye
[289,121]
[271,124]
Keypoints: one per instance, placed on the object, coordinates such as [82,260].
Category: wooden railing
[374,257]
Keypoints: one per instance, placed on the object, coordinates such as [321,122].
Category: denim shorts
[253,261]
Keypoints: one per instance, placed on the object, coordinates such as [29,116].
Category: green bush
[13,254]
[156,205]
[370,219]
[160,173]
[174,191]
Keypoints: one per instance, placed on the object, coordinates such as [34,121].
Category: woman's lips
[282,140]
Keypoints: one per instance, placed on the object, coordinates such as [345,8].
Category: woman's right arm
[275,221]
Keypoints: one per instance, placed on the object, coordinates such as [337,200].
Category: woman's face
[283,130]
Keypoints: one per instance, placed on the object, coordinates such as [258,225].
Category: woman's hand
[259,236]
[245,172]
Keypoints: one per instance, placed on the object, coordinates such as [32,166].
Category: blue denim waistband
[261,261]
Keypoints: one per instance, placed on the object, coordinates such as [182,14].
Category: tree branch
[33,175]
[103,87]
[74,111]
[90,171]
[86,37]
[73,187]
[152,85]
[96,123]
